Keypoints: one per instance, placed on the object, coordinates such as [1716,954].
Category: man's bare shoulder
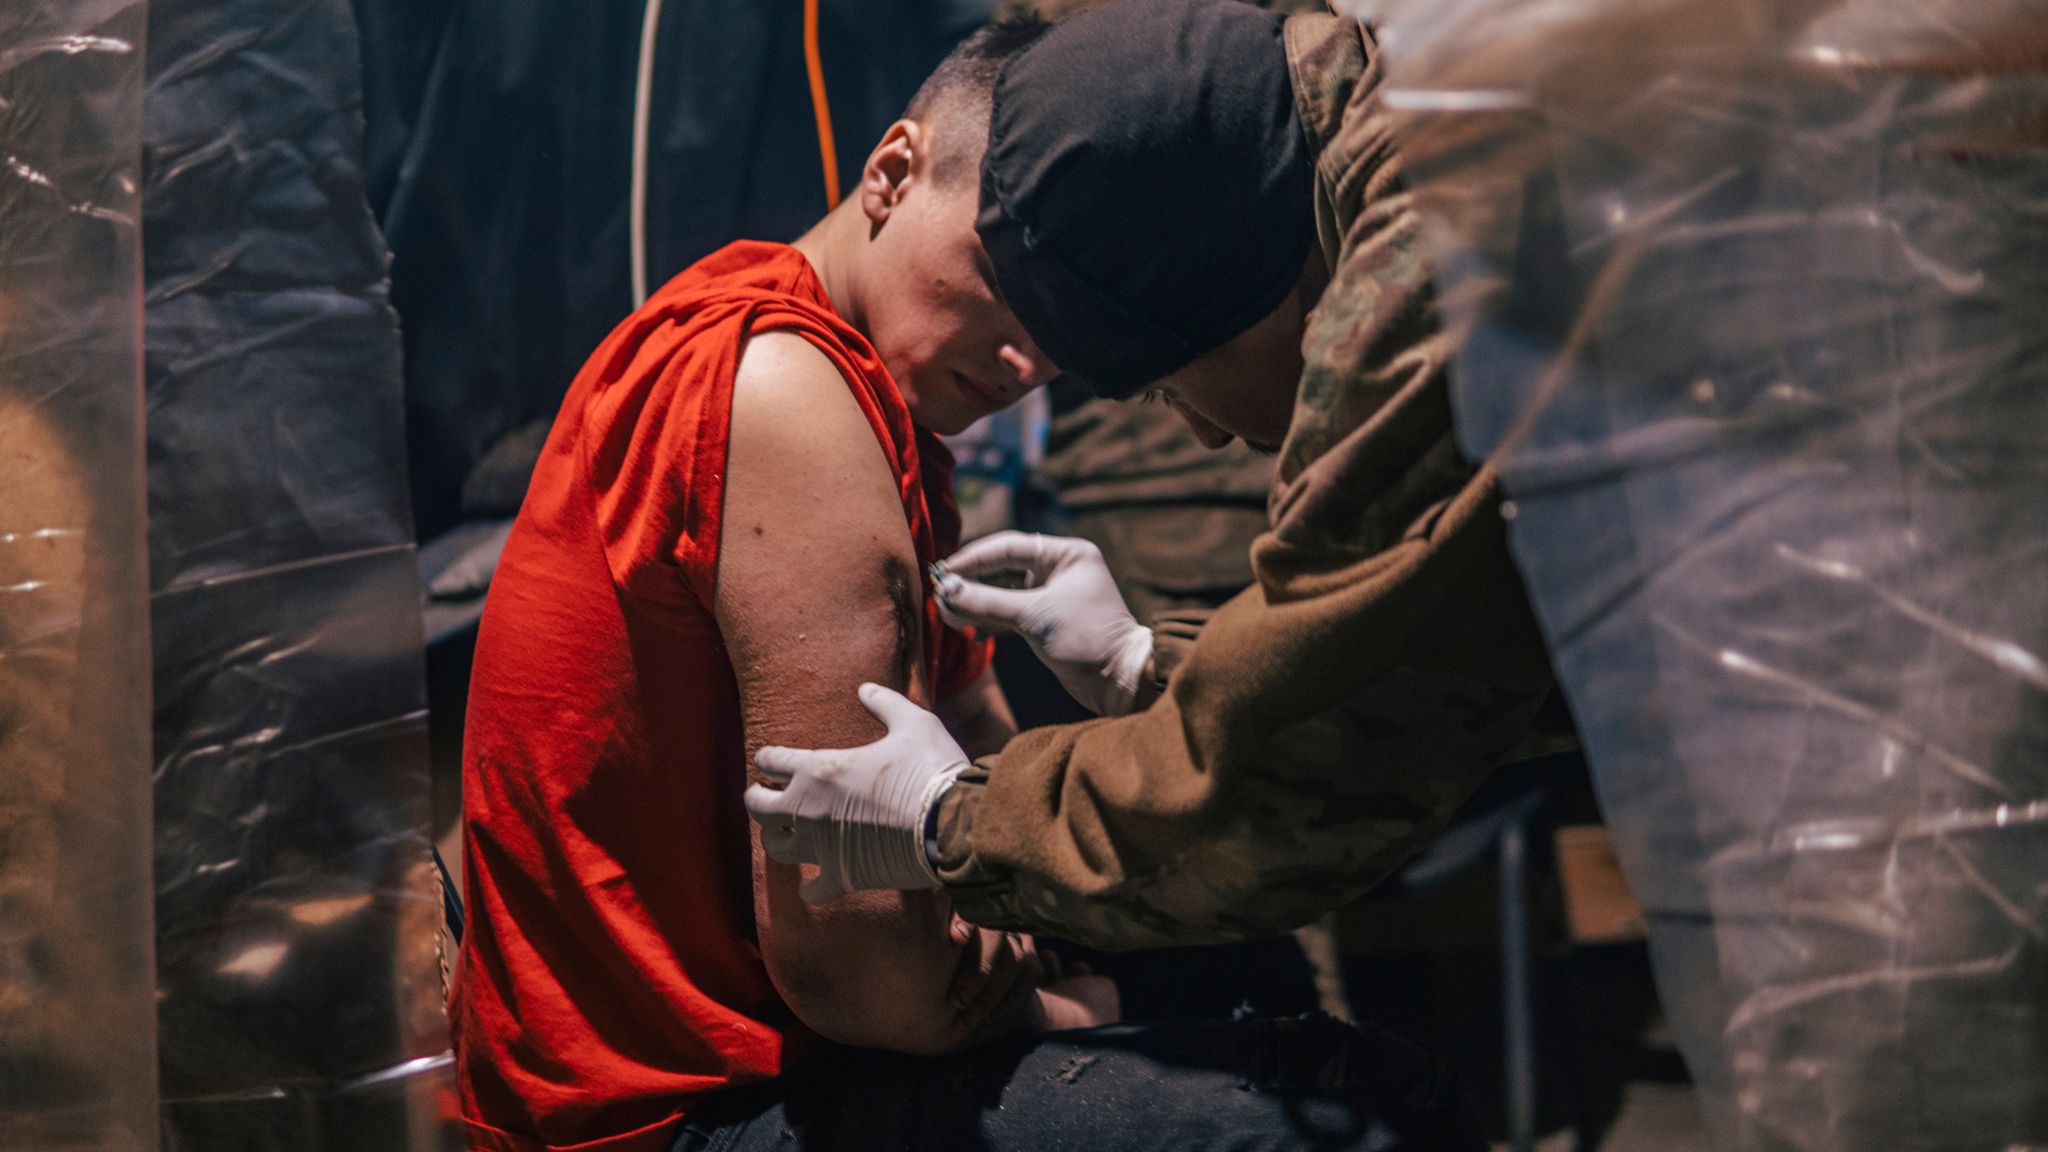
[784,379]
[781,359]
[793,410]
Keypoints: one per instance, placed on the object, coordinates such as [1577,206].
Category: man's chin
[944,420]
[951,414]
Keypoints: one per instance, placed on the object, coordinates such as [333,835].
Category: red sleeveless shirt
[610,974]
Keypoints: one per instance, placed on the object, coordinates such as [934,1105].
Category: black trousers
[1306,1083]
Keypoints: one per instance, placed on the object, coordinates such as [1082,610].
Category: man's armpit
[903,606]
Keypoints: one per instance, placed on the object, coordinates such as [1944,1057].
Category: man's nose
[1028,363]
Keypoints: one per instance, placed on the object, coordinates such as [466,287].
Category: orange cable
[821,111]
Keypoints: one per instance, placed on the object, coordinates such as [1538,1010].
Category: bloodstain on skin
[903,606]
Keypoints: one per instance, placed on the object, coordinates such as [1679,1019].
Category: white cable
[643,100]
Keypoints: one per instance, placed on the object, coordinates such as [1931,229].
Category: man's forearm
[979,716]
[888,975]
[984,734]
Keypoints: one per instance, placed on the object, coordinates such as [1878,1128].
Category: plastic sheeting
[299,994]
[77,1065]
[1755,297]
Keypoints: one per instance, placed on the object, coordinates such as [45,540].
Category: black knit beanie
[1147,194]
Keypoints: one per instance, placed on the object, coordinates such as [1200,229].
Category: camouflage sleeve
[1289,766]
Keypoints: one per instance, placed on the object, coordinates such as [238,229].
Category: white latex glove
[1069,612]
[858,813]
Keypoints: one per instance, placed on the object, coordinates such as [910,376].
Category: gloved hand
[1069,612]
[858,813]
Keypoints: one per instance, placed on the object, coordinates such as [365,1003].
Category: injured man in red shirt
[728,531]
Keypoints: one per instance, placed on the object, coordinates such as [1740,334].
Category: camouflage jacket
[1333,715]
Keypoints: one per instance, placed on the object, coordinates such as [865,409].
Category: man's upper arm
[817,584]
[818,591]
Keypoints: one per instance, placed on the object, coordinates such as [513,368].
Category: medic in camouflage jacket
[1337,712]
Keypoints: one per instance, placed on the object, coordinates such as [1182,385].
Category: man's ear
[895,162]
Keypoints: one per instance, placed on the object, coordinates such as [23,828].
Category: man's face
[930,305]
[1244,390]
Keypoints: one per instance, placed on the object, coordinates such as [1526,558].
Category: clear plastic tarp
[77,1060]
[299,995]
[1755,299]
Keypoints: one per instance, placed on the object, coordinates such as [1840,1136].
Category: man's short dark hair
[954,99]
